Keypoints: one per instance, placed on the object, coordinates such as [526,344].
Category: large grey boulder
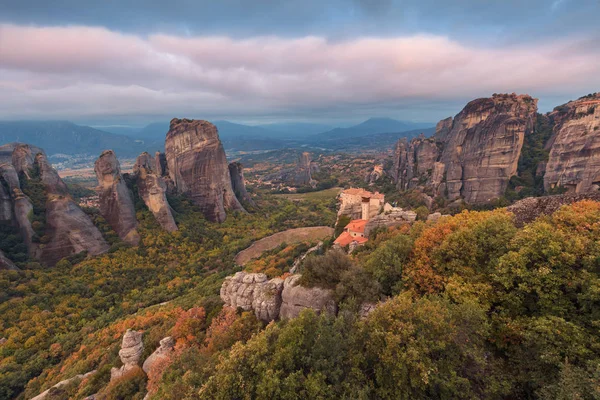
[163,352]
[296,298]
[131,351]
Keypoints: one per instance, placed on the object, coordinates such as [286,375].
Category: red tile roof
[345,239]
[356,225]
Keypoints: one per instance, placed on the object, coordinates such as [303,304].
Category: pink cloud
[76,70]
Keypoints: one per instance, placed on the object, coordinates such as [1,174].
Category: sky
[118,62]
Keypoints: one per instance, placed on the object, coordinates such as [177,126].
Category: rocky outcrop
[198,167]
[253,292]
[152,189]
[238,183]
[274,299]
[131,351]
[303,170]
[374,175]
[68,230]
[527,210]
[45,394]
[472,156]
[296,298]
[574,159]
[391,217]
[161,354]
[6,264]
[116,203]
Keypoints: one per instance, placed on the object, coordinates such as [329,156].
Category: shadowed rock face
[472,156]
[238,183]
[574,159]
[295,298]
[69,229]
[116,203]
[152,190]
[6,264]
[198,167]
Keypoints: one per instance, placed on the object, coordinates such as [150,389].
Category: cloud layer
[79,72]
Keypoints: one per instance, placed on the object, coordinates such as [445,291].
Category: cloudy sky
[132,62]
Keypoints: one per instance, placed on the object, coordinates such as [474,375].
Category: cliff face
[116,203]
[238,183]
[152,190]
[68,229]
[198,167]
[574,159]
[472,156]
[303,170]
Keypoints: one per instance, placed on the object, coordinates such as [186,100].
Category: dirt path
[311,234]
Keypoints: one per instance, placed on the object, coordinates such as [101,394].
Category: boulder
[296,298]
[115,201]
[390,218]
[162,353]
[131,351]
[527,210]
[198,167]
[152,189]
[250,291]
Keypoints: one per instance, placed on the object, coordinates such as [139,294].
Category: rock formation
[152,189]
[116,203]
[44,395]
[275,298]
[131,351]
[302,176]
[68,230]
[198,167]
[253,292]
[6,264]
[527,210]
[239,184]
[162,353]
[295,298]
[574,159]
[374,175]
[472,156]
[392,216]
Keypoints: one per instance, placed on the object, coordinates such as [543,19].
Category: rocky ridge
[238,183]
[472,156]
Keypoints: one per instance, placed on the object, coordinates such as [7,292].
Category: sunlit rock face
[152,189]
[574,159]
[132,348]
[473,155]
[198,167]
[116,203]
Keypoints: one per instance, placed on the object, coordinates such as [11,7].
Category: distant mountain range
[69,138]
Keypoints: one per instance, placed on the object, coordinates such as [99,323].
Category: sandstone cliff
[6,264]
[152,189]
[472,156]
[198,167]
[239,184]
[574,159]
[116,203]
[303,170]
